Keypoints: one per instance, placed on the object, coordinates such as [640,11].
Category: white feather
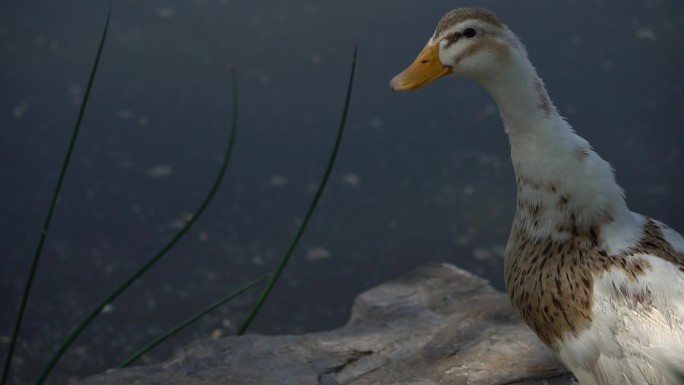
[629,343]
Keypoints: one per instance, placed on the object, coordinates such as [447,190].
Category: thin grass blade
[189,321]
[283,262]
[98,309]
[51,208]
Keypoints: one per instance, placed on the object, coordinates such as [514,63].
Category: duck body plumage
[601,286]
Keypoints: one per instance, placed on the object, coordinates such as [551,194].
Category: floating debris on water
[606,65]
[279,181]
[124,114]
[376,122]
[150,303]
[258,260]
[499,251]
[75,93]
[176,224]
[40,41]
[482,254]
[19,110]
[646,34]
[160,171]
[143,121]
[351,179]
[463,240]
[318,253]
[166,12]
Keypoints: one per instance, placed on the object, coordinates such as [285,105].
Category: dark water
[420,177]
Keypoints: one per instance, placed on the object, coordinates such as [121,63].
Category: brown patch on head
[462,14]
[499,50]
[551,282]
[487,42]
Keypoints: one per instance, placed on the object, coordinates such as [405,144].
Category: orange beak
[426,68]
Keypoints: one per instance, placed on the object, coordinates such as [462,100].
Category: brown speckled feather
[551,282]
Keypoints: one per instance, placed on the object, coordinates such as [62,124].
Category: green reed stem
[98,309]
[189,321]
[283,262]
[51,208]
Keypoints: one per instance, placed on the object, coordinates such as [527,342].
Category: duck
[602,287]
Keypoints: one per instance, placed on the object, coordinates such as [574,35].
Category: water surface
[420,177]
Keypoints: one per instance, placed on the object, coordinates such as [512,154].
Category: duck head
[469,42]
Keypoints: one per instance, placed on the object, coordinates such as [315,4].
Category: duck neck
[563,186]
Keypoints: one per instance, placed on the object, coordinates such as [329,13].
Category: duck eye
[469,32]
